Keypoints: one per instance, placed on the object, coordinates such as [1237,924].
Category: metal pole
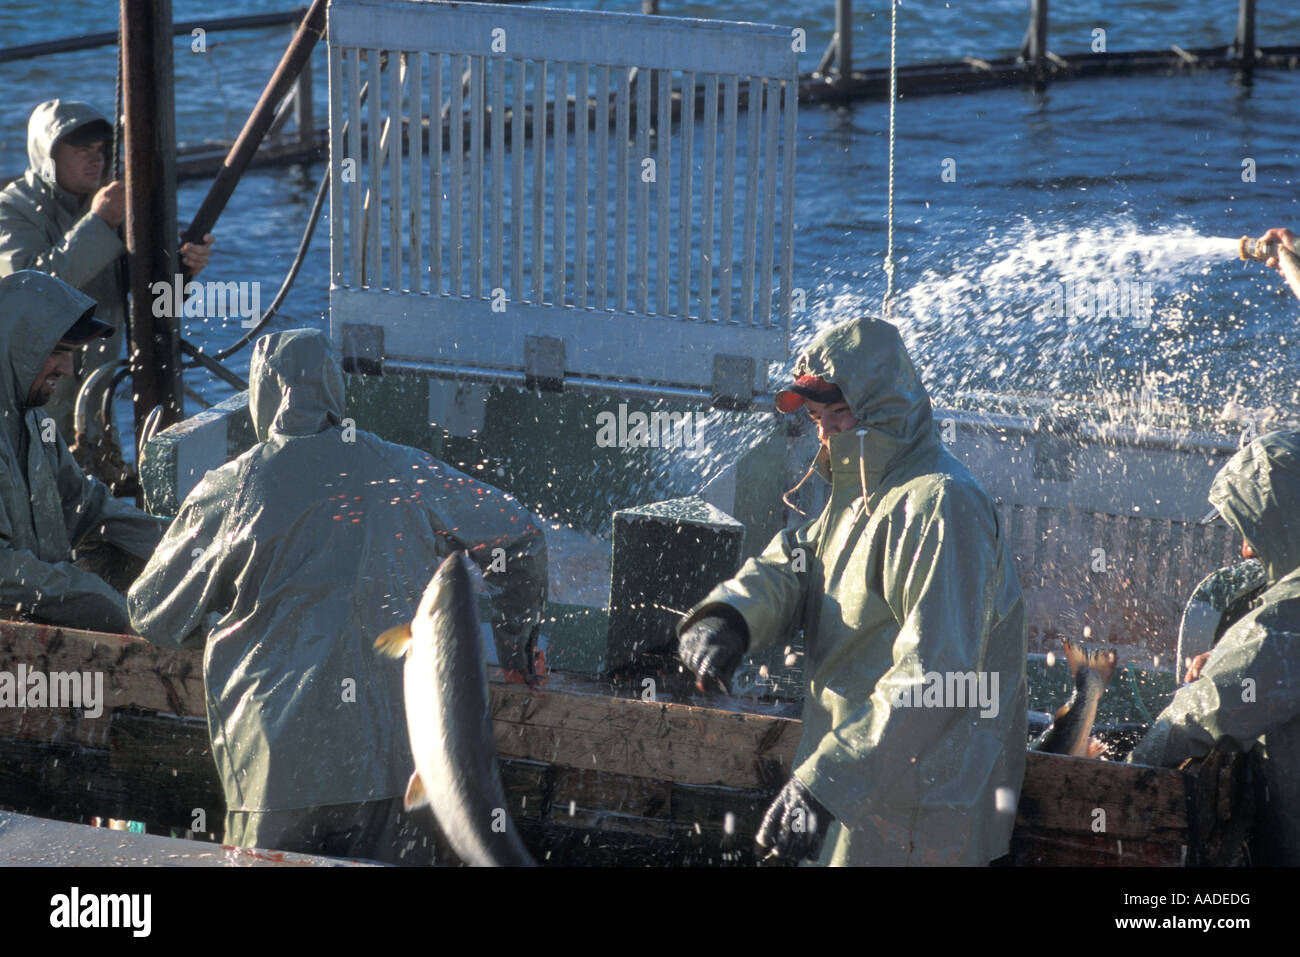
[150,150]
[1038,38]
[844,38]
[302,104]
[649,6]
[1244,42]
[310,29]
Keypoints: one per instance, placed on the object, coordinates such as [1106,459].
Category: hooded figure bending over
[47,503]
[1247,695]
[289,561]
[910,610]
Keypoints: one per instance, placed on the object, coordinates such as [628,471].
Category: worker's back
[291,560]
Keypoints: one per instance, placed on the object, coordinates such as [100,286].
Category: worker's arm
[57,592]
[942,577]
[501,537]
[88,506]
[76,257]
[1249,685]
[768,592]
[186,577]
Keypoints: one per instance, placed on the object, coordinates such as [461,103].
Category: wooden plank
[611,802]
[68,726]
[136,673]
[637,767]
[528,786]
[1063,793]
[1058,849]
[683,743]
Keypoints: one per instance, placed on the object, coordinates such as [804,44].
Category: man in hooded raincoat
[915,588]
[47,503]
[290,561]
[1247,694]
[62,219]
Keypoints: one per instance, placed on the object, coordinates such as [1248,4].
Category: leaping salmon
[445,683]
[1072,724]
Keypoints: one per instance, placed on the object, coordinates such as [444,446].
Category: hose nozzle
[1274,253]
[1257,249]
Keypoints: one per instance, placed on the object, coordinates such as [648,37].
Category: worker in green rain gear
[48,505]
[62,217]
[288,562]
[914,721]
[1245,695]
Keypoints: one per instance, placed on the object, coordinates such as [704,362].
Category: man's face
[56,367]
[79,169]
[831,419]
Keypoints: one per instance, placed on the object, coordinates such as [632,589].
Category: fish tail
[1103,662]
[1074,657]
[394,641]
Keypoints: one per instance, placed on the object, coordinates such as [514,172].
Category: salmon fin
[1074,656]
[415,794]
[1103,662]
[394,641]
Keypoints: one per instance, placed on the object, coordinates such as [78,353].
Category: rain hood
[47,503]
[49,123]
[1258,493]
[295,385]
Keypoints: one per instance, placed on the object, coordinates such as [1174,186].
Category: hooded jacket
[47,503]
[902,603]
[1248,694]
[291,560]
[43,226]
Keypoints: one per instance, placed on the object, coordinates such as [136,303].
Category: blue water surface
[1117,179]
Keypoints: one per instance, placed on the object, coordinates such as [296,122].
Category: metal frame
[508,90]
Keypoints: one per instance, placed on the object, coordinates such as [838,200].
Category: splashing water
[1160,325]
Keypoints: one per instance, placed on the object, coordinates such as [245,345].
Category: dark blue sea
[1134,180]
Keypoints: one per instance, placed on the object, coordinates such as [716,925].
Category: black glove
[794,827]
[712,648]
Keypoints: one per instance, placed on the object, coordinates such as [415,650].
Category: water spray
[1287,261]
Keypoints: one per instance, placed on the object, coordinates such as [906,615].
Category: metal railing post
[1243,43]
[1036,40]
[844,38]
[303,118]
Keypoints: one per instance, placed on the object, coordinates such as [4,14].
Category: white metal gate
[517,240]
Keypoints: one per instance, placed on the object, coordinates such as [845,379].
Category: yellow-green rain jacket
[43,226]
[920,581]
[1248,693]
[47,503]
[291,560]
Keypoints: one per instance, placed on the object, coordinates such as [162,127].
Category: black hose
[106,406]
[299,257]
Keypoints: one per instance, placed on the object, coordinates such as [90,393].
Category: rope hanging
[887,307]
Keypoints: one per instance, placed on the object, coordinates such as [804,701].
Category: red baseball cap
[807,387]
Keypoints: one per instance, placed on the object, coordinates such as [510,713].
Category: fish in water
[445,682]
[1072,724]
